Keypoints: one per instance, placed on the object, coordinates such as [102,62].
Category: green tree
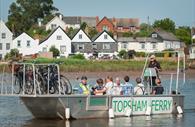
[83,26]
[71,32]
[12,55]
[92,32]
[123,54]
[165,24]
[184,34]
[55,51]
[25,13]
[127,34]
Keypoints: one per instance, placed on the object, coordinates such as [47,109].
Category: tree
[71,32]
[184,34]
[92,32]
[165,24]
[12,55]
[55,51]
[123,54]
[127,34]
[25,13]
[83,26]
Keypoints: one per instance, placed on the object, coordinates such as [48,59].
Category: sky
[182,12]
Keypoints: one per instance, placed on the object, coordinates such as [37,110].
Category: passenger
[108,87]
[139,88]
[127,88]
[159,88]
[117,89]
[99,86]
[83,88]
[156,65]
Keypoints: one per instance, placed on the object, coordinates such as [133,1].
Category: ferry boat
[65,105]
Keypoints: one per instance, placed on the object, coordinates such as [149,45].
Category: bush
[55,51]
[140,54]
[12,55]
[78,56]
[123,54]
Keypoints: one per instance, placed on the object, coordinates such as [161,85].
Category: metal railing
[31,79]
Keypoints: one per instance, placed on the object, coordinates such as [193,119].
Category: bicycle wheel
[40,84]
[65,85]
[17,86]
[29,87]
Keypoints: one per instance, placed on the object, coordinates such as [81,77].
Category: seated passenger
[108,87]
[117,89]
[83,87]
[159,88]
[139,88]
[127,88]
[99,86]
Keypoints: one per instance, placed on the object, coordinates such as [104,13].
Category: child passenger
[99,86]
[159,88]
[108,87]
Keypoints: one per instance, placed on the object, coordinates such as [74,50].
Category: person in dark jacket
[159,88]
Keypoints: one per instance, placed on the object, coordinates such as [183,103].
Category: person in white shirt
[139,88]
[108,87]
[117,89]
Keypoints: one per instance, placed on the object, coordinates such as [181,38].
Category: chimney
[97,20]
[60,16]
[115,35]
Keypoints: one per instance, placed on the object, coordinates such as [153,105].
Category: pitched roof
[166,35]
[106,19]
[137,39]
[51,33]
[77,33]
[126,22]
[72,19]
[91,21]
[99,34]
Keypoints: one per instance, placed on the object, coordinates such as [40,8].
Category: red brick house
[105,24]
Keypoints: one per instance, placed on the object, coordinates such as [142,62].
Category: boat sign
[138,105]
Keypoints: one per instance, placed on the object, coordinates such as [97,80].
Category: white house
[192,51]
[6,37]
[81,43]
[105,44]
[139,44]
[59,39]
[55,22]
[158,41]
[26,44]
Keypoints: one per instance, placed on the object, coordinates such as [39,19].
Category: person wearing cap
[83,87]
[139,88]
[156,65]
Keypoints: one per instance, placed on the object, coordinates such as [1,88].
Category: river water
[14,114]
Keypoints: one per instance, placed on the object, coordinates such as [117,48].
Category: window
[80,46]
[59,37]
[18,43]
[105,28]
[105,36]
[124,45]
[44,49]
[142,45]
[7,46]
[94,46]
[3,35]
[53,26]
[154,35]
[1,46]
[106,46]
[28,43]
[153,45]
[63,49]
[80,36]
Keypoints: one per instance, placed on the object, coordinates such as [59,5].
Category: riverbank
[190,73]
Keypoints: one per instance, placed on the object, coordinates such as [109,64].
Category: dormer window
[80,36]
[59,37]
[154,35]
[105,36]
